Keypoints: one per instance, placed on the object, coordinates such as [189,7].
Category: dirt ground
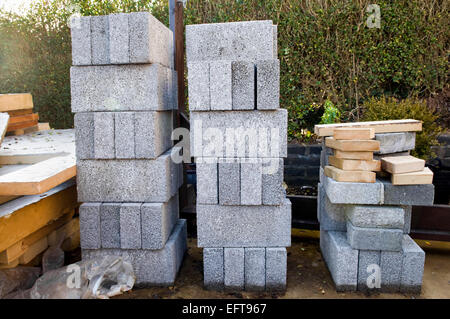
[307,276]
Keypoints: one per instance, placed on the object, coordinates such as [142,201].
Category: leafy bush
[331,113]
[390,109]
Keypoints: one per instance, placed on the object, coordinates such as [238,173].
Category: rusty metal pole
[179,57]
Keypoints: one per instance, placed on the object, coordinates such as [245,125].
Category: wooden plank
[10,265]
[20,112]
[4,121]
[64,231]
[38,178]
[11,254]
[367,156]
[414,178]
[26,215]
[402,164]
[354,165]
[21,125]
[35,249]
[354,133]
[340,175]
[26,130]
[24,118]
[379,126]
[5,199]
[353,145]
[72,242]
[17,101]
[44,126]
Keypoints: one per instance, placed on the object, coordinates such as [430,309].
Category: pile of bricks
[123,97]
[239,140]
[365,223]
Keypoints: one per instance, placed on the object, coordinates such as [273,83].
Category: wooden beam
[355,165]
[18,101]
[4,121]
[367,156]
[379,126]
[340,175]
[414,178]
[24,118]
[26,215]
[353,133]
[179,57]
[402,164]
[353,145]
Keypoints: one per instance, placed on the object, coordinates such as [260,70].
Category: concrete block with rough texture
[416,195]
[90,236]
[255,269]
[268,85]
[110,225]
[234,268]
[378,157]
[130,226]
[412,266]
[252,134]
[198,88]
[367,274]
[243,85]
[408,215]
[104,135]
[331,216]
[100,40]
[112,88]
[150,40]
[235,41]
[220,85]
[244,226]
[81,40]
[207,183]
[128,180]
[124,135]
[213,268]
[273,192]
[158,220]
[229,183]
[152,267]
[84,135]
[391,270]
[276,268]
[251,182]
[341,259]
[370,216]
[119,38]
[353,193]
[374,238]
[396,142]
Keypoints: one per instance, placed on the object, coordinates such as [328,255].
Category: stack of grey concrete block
[364,227]
[239,140]
[123,96]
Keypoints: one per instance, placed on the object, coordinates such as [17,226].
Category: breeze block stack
[238,140]
[123,96]
[364,225]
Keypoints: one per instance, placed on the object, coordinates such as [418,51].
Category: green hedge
[326,50]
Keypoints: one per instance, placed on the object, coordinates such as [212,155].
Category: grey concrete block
[353,193]
[110,225]
[152,133]
[124,135]
[341,259]
[374,238]
[104,135]
[365,272]
[391,270]
[396,142]
[273,192]
[150,40]
[213,268]
[81,41]
[416,195]
[207,183]
[100,40]
[119,39]
[128,180]
[244,226]
[253,134]
[268,84]
[90,237]
[234,268]
[130,226]
[251,182]
[198,88]
[408,215]
[331,216]
[106,88]
[233,41]
[370,216]
[158,221]
[151,267]
[378,157]
[172,79]
[84,135]
[243,85]
[412,266]
[275,41]
[255,269]
[229,184]
[220,85]
[276,268]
